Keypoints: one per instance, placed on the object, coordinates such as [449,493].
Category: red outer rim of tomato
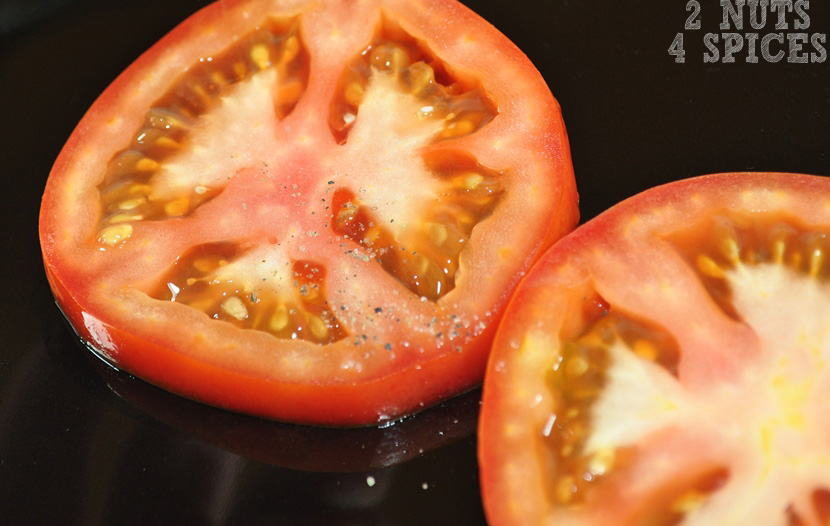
[648,259]
[184,352]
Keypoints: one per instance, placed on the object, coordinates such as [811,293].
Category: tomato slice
[310,211]
[667,364]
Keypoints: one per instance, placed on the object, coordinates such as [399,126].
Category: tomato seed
[279,320]
[709,268]
[646,349]
[420,77]
[437,232]
[139,189]
[458,128]
[816,248]
[389,57]
[354,93]
[130,204]
[146,165]
[576,366]
[234,307]
[602,462]
[565,489]
[260,56]
[688,502]
[165,119]
[124,218]
[290,49]
[471,180]
[206,279]
[115,235]
[318,327]
[730,249]
[177,207]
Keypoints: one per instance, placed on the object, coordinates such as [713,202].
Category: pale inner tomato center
[767,425]
[386,133]
[230,138]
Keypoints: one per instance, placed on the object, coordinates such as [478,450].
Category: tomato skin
[622,255]
[342,405]
[178,351]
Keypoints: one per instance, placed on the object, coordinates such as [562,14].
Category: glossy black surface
[83,444]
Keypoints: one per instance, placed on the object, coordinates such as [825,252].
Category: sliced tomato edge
[475,354]
[501,506]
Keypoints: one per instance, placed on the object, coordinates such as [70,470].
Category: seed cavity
[729,241]
[294,309]
[463,106]
[576,382]
[165,131]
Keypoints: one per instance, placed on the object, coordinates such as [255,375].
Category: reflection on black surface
[16,15]
[70,448]
[302,447]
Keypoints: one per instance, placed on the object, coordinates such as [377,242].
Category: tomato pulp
[667,364]
[309,211]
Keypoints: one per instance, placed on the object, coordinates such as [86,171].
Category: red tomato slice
[311,211]
[667,364]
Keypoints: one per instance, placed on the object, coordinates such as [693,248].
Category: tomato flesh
[666,364]
[312,212]
[138,185]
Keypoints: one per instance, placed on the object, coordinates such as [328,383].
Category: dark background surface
[82,444]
